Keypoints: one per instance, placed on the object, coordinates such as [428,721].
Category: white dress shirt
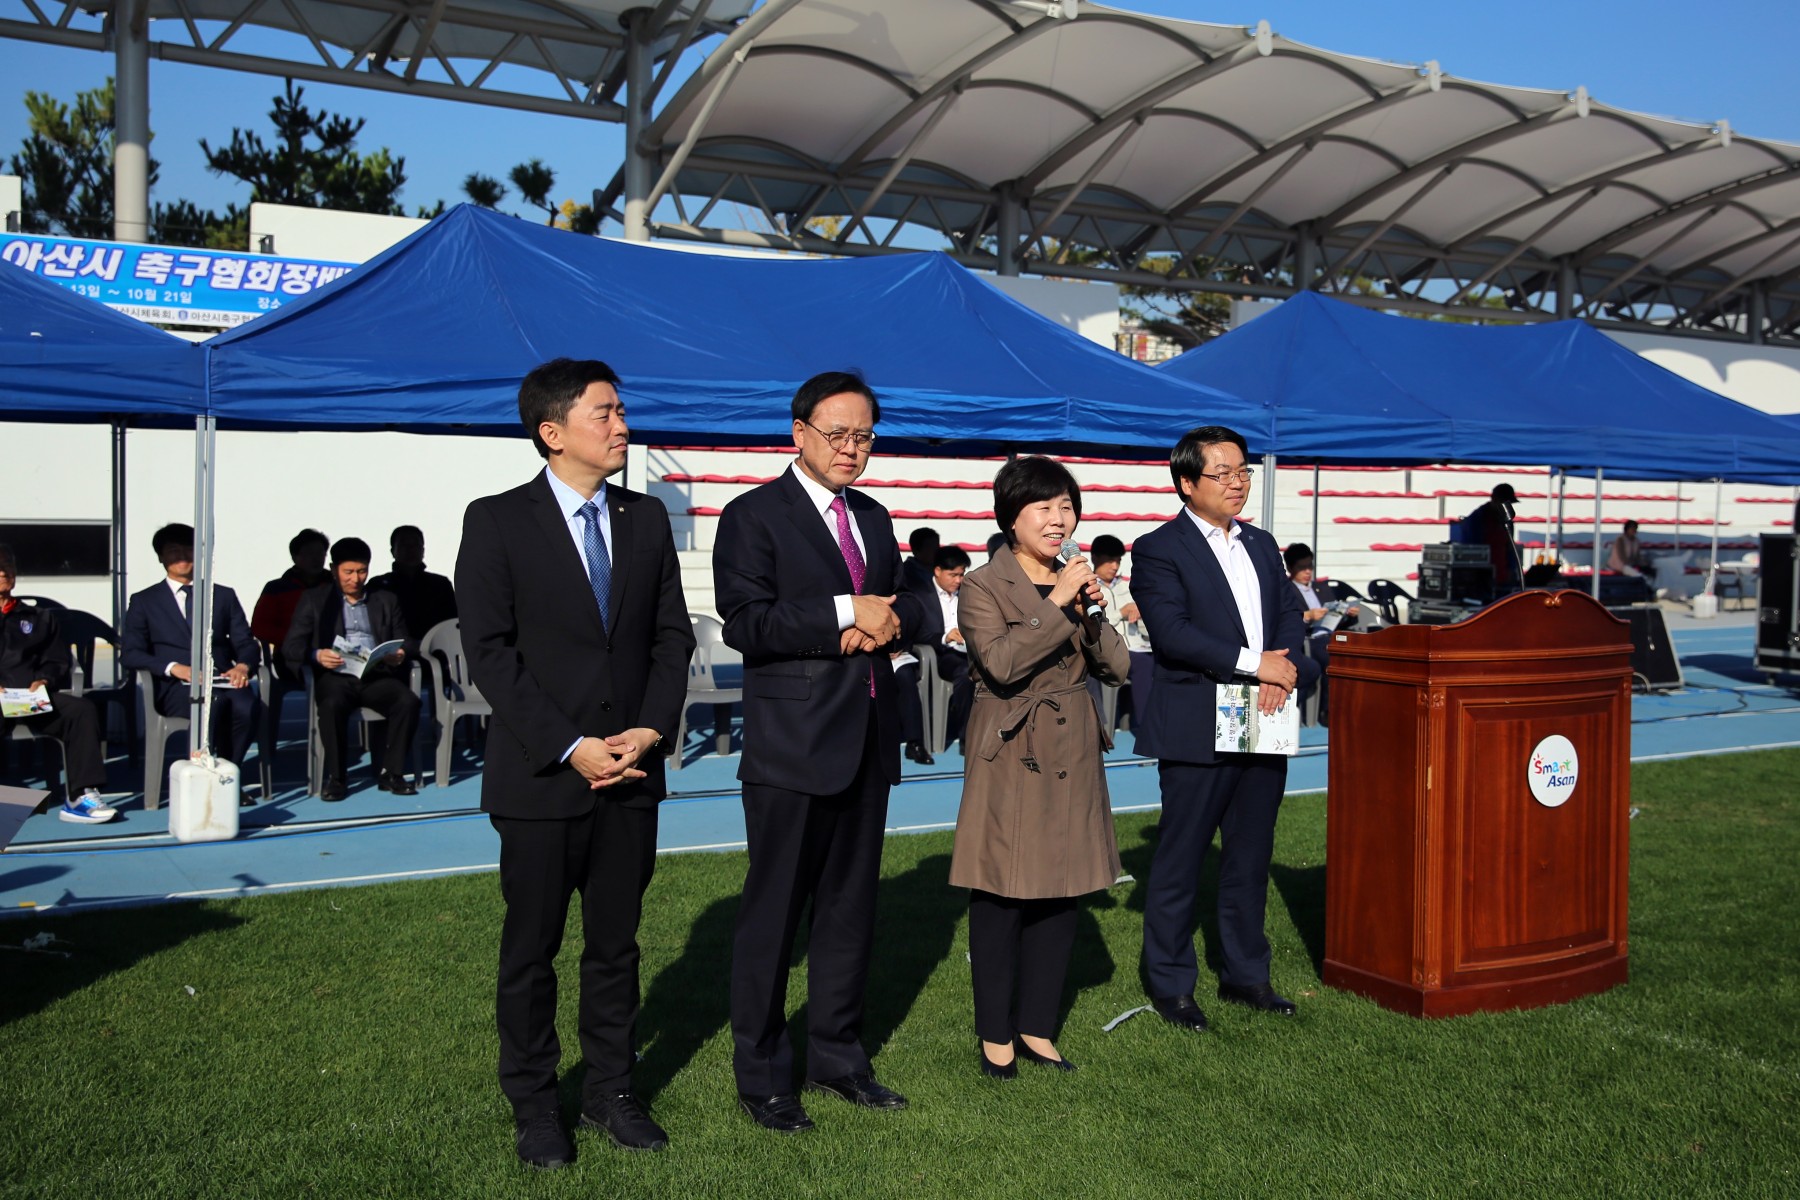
[821,498]
[1228,547]
[570,501]
[947,606]
[175,586]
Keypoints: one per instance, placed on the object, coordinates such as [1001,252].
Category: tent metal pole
[200,604]
[1678,516]
[1594,555]
[1315,531]
[1268,499]
[119,590]
[1712,568]
[1562,493]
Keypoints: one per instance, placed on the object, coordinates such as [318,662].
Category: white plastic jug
[203,800]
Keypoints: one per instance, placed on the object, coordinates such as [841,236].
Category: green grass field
[340,1043]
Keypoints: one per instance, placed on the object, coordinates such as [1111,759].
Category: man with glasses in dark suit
[1216,601]
[807,577]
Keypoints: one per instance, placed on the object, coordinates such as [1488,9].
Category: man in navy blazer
[158,633]
[1215,600]
[806,571]
[577,633]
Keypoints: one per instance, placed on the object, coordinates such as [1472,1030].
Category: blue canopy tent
[1559,393]
[436,332]
[64,357]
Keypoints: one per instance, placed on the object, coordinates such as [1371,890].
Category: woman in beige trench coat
[1035,828]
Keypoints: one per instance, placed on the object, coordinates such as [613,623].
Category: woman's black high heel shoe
[1032,1056]
[994,1070]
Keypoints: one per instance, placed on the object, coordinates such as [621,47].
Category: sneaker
[87,811]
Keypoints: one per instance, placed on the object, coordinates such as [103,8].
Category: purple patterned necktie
[853,559]
[847,545]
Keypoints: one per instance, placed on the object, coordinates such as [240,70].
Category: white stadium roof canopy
[1227,158]
[1102,144]
[572,51]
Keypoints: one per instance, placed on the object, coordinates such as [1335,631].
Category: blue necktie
[187,603]
[598,564]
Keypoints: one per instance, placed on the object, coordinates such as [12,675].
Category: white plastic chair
[703,688]
[453,692]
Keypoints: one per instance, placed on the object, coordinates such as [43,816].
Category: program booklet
[24,702]
[1243,728]
[357,661]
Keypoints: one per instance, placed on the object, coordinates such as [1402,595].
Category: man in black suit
[805,573]
[158,632]
[426,599]
[34,655]
[344,614]
[577,633]
[1217,605]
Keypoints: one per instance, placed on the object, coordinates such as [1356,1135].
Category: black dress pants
[912,712]
[826,849]
[339,695]
[608,857]
[235,713]
[1238,797]
[73,722]
[953,666]
[1018,957]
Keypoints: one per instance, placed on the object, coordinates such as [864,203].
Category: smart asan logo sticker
[1553,770]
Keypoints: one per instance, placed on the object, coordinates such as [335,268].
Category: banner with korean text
[170,285]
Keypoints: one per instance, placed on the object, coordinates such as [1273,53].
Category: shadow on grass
[98,944]
[915,928]
[687,1003]
[1303,891]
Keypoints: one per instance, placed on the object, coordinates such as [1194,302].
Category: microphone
[1069,552]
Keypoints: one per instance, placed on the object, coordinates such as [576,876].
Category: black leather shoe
[397,784]
[1032,1056]
[541,1142]
[1262,998]
[624,1120]
[919,754]
[334,789]
[859,1089]
[1180,1010]
[782,1114]
[994,1070]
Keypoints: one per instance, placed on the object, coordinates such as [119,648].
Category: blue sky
[1731,60]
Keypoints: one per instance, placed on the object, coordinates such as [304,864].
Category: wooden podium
[1480,779]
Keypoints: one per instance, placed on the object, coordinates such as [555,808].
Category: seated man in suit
[158,632]
[274,611]
[344,613]
[1299,559]
[915,572]
[426,600]
[939,602]
[33,655]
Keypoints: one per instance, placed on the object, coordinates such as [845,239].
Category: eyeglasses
[1226,478]
[837,439]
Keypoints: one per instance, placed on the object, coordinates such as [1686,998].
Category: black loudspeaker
[1653,659]
[1777,590]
